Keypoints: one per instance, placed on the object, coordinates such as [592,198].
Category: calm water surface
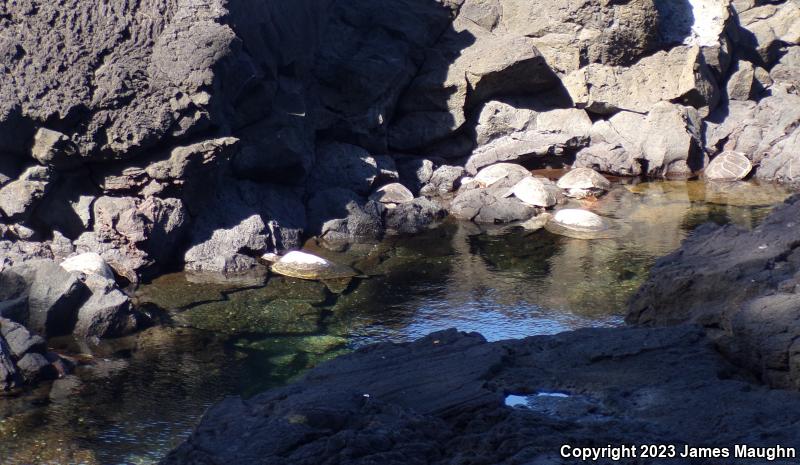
[133,399]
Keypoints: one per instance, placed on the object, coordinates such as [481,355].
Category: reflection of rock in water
[169,378]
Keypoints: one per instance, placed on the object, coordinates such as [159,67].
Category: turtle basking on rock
[584,182]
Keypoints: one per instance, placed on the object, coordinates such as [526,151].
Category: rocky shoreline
[444,399]
[166,135]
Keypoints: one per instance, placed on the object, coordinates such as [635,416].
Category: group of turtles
[540,192]
[536,191]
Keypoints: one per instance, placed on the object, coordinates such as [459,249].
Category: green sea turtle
[583,182]
[583,224]
[304,265]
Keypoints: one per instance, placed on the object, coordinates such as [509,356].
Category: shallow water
[134,399]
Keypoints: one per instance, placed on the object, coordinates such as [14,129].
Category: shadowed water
[133,399]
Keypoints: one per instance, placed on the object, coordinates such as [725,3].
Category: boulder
[369,53]
[787,71]
[362,223]
[35,367]
[107,313]
[740,284]
[69,205]
[765,132]
[134,236]
[415,172]
[507,134]
[18,198]
[15,252]
[765,28]
[187,162]
[237,221]
[276,151]
[466,68]
[116,81]
[444,180]
[677,75]
[43,297]
[489,206]
[10,377]
[431,400]
[345,166]
[666,142]
[55,149]
[694,22]
[571,33]
[21,341]
[414,217]
[742,83]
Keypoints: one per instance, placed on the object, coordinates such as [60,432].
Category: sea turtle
[583,224]
[728,166]
[304,265]
[393,193]
[493,174]
[584,182]
[537,192]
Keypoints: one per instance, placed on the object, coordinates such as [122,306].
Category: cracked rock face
[742,285]
[133,74]
[443,400]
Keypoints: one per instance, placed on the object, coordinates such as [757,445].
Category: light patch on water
[516,401]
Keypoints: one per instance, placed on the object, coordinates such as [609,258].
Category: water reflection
[135,398]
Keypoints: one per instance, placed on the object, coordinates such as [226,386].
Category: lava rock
[444,396]
[742,285]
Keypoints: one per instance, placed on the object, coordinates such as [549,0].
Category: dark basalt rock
[742,286]
[440,400]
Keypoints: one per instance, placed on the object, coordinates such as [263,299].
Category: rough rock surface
[679,75]
[766,132]
[668,141]
[440,400]
[509,134]
[742,286]
[42,296]
[413,217]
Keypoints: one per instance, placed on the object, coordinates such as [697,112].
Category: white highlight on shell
[580,218]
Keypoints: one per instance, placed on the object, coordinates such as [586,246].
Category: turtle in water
[536,192]
[583,224]
[728,166]
[304,265]
[584,182]
[491,175]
